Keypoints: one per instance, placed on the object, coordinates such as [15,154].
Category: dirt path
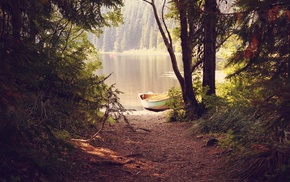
[154,151]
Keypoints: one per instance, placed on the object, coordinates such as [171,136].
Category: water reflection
[138,73]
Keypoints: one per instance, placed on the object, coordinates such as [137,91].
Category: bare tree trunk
[189,97]
[209,64]
[288,56]
[16,23]
[191,104]
[167,40]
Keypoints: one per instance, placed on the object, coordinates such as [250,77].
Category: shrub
[258,152]
[177,112]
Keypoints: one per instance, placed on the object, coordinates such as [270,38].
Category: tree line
[138,31]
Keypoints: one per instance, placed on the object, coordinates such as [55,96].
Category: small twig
[145,129]
[105,117]
[134,155]
[127,122]
[97,133]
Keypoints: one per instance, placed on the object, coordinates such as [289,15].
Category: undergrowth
[254,152]
[176,105]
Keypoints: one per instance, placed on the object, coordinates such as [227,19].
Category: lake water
[133,74]
[138,73]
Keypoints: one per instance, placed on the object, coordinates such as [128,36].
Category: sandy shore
[146,112]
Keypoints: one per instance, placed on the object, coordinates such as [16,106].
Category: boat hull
[154,105]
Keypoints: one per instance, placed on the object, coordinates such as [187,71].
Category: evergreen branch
[67,39]
[224,40]
[104,79]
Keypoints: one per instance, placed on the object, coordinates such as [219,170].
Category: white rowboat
[154,101]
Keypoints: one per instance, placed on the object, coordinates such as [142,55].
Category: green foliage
[252,128]
[63,135]
[254,131]
[197,85]
[49,91]
[222,121]
[213,101]
[239,93]
[228,140]
[176,105]
[262,83]
[264,164]
[253,150]
[275,108]
[209,101]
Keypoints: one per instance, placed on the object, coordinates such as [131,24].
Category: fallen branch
[104,119]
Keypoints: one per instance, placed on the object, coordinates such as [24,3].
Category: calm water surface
[138,73]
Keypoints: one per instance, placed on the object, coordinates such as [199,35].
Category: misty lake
[133,74]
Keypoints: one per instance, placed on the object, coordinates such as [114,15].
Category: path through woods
[155,151]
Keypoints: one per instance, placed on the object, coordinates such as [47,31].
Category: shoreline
[140,52]
[145,112]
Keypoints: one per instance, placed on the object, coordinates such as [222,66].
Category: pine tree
[47,79]
[264,30]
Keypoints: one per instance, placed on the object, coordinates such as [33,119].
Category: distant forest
[139,30]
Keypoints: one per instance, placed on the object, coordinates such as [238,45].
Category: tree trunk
[288,56]
[168,43]
[191,104]
[209,64]
[16,23]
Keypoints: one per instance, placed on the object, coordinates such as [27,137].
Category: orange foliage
[248,53]
[287,12]
[258,148]
[239,17]
[253,45]
[273,13]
